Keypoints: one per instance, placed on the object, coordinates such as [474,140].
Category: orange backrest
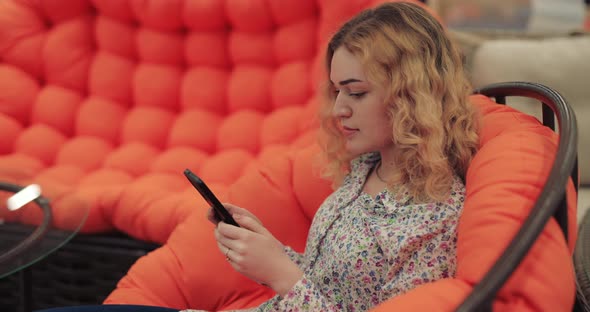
[102,102]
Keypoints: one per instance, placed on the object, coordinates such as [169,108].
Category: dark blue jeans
[109,308]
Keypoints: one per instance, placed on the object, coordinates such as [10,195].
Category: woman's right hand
[232,209]
[254,252]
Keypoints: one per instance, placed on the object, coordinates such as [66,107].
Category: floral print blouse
[362,250]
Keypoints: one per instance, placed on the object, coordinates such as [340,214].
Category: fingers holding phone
[254,252]
[233,211]
[211,216]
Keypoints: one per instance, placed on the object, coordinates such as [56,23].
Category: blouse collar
[360,168]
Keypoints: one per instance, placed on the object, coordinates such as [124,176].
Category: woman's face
[359,106]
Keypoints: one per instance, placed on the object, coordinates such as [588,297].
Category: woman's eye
[358,94]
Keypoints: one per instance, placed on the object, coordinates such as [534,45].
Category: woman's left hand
[253,251]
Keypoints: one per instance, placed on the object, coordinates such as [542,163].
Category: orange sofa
[104,103]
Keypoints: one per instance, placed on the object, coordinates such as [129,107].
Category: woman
[399,135]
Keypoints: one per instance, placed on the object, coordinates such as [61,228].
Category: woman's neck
[386,167]
[375,182]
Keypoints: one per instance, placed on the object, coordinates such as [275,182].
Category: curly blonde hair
[434,127]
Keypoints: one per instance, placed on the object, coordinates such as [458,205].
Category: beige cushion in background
[562,63]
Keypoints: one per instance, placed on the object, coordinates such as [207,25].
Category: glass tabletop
[31,233]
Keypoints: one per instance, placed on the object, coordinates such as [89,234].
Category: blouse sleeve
[293,255]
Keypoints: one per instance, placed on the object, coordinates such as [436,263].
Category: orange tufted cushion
[132,92]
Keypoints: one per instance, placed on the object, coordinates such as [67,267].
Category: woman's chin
[355,151]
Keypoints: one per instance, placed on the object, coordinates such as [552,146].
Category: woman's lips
[348,131]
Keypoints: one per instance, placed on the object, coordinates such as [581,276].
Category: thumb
[250,224]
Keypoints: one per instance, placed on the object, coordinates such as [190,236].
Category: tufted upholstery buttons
[10,129]
[135,158]
[196,128]
[296,41]
[249,88]
[40,141]
[175,159]
[57,107]
[206,48]
[204,87]
[85,152]
[286,12]
[17,93]
[148,125]
[101,118]
[204,15]
[290,85]
[251,48]
[157,86]
[281,126]
[68,52]
[241,130]
[123,44]
[249,15]
[103,68]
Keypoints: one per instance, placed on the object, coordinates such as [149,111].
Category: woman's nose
[340,109]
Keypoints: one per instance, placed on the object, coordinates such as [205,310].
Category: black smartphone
[220,212]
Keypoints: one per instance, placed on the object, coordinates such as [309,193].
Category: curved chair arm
[582,265]
[551,201]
